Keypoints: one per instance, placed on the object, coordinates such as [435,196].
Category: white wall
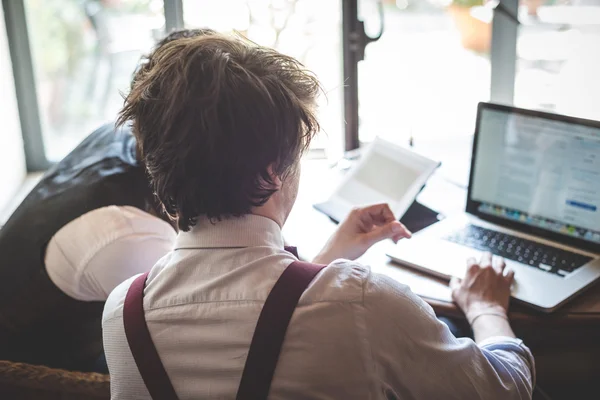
[12,157]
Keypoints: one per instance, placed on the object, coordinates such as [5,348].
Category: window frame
[502,59]
[503,52]
[27,102]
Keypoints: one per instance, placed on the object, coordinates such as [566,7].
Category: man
[221,125]
[89,224]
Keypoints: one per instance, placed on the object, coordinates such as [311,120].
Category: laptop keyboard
[537,255]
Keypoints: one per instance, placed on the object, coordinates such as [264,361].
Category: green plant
[467,3]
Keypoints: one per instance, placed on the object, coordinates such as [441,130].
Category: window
[84,53]
[424,77]
[558,50]
[309,30]
[12,161]
[420,82]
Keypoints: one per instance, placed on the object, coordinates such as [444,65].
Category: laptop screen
[538,170]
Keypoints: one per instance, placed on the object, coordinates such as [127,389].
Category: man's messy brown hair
[216,118]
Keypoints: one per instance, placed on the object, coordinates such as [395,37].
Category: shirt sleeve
[416,356]
[94,253]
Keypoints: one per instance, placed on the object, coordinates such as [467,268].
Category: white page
[386,173]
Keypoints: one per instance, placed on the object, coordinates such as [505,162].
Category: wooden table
[566,343]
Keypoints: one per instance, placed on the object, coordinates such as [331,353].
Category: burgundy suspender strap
[264,349]
[271,327]
[140,343]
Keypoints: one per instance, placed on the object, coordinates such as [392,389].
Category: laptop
[533,198]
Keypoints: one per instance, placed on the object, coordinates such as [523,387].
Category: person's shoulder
[82,239]
[351,281]
[112,223]
[349,270]
[342,281]
[113,307]
[133,220]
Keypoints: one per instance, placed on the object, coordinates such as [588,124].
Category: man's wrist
[489,309]
[324,257]
[487,314]
[320,259]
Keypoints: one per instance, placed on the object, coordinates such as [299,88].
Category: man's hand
[485,290]
[362,228]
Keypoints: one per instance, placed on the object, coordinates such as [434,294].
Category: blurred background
[65,64]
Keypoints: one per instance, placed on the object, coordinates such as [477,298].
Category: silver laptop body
[534,198]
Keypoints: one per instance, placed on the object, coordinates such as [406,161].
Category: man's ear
[274,177]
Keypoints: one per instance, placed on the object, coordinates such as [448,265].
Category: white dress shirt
[91,255]
[354,334]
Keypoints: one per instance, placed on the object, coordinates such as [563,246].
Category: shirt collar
[246,231]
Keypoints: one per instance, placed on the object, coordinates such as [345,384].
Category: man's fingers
[391,230]
[379,214]
[404,234]
[486,260]
[454,283]
[499,265]
[472,265]
[454,287]
[510,276]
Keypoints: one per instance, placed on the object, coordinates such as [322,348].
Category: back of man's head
[217,118]
[146,60]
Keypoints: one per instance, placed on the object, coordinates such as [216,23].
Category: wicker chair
[20,381]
